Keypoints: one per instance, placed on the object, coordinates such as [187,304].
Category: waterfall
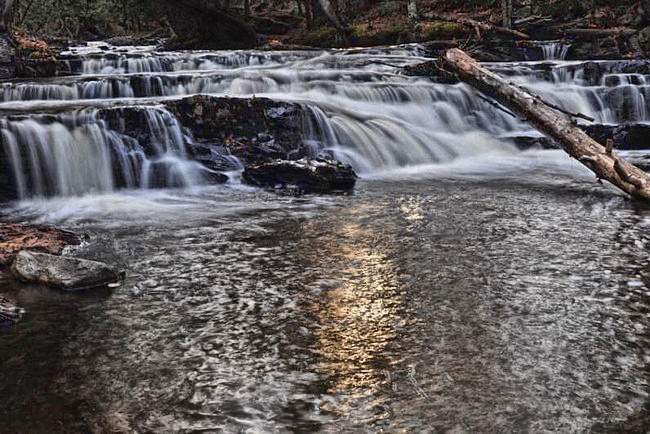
[604,90]
[555,50]
[78,153]
[126,65]
[359,108]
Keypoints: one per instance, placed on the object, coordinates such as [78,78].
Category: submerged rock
[302,176]
[9,314]
[17,237]
[62,272]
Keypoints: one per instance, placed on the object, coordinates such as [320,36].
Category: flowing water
[465,286]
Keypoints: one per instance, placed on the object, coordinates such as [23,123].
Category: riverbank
[565,29]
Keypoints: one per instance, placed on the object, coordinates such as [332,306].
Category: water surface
[438,302]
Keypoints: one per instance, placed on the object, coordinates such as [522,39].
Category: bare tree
[412,10]
[332,16]
[506,6]
[7,14]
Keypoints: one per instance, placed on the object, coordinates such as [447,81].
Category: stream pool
[478,299]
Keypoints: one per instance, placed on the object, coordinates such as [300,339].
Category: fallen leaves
[17,237]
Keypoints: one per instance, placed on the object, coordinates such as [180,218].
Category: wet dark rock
[302,176]
[526,142]
[255,130]
[601,48]
[62,272]
[9,314]
[39,68]
[626,137]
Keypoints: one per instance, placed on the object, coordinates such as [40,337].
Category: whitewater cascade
[358,108]
[76,153]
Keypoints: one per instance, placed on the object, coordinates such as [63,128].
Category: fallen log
[477,25]
[556,124]
[598,33]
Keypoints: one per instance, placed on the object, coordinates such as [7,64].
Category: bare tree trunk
[7,43]
[7,15]
[645,6]
[412,10]
[333,18]
[506,6]
[602,161]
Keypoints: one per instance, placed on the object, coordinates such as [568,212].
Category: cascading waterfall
[610,96]
[555,50]
[78,153]
[358,109]
[616,98]
[126,65]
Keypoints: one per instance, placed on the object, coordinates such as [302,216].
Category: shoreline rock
[63,272]
[17,237]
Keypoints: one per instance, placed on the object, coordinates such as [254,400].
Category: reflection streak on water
[358,318]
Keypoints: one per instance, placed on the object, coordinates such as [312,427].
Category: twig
[384,63]
[497,105]
[566,112]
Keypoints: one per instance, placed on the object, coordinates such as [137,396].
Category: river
[465,286]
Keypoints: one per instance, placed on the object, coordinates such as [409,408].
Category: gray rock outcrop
[62,272]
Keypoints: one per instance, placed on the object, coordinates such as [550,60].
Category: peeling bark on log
[478,26]
[604,163]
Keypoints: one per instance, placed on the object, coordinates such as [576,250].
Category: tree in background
[74,19]
[506,8]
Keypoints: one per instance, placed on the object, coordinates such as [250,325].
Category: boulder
[255,130]
[302,176]
[62,272]
[9,313]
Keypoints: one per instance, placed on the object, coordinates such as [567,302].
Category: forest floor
[387,23]
[620,31]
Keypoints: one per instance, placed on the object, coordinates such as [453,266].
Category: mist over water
[464,286]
